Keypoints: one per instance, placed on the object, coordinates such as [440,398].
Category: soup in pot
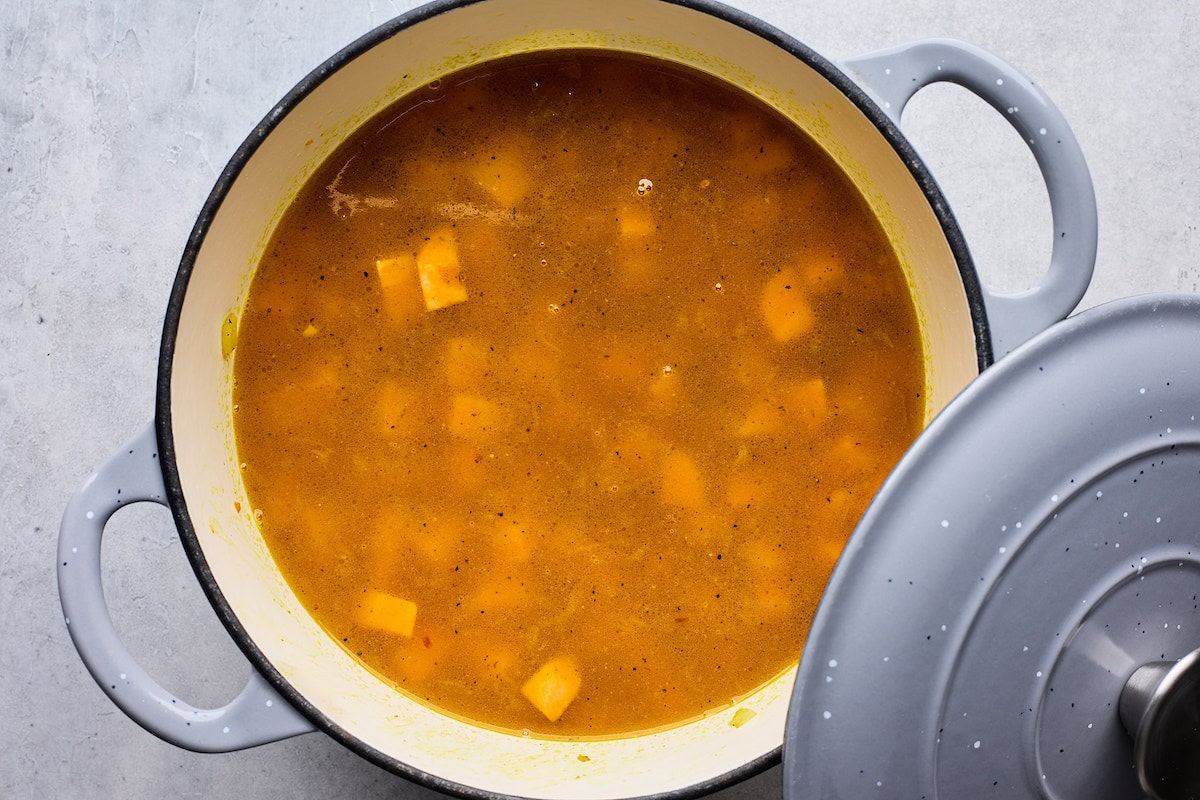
[561,385]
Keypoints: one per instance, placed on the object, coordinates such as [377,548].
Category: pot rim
[229,175]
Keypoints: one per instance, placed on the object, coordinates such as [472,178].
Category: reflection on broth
[561,385]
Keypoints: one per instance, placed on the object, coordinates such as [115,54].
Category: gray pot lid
[1037,545]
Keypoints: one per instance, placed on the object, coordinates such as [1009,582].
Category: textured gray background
[115,119]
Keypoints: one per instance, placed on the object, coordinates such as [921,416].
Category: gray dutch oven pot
[186,460]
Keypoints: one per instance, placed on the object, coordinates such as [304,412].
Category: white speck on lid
[1018,525]
[999,81]
[91,515]
[945,523]
[68,619]
[1042,131]
[74,549]
[879,783]
[1053,498]
[1126,514]
[1158,519]
[122,676]
[1003,549]
[1039,673]
[270,703]
[1099,494]
[887,658]
[977,744]
[829,679]
[943,628]
[1142,390]
[1089,725]
[1025,649]
[826,715]
[832,663]
[1003,528]
[887,70]
[225,729]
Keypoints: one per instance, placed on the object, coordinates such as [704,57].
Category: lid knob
[1160,708]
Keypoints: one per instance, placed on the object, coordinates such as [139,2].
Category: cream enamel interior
[349,695]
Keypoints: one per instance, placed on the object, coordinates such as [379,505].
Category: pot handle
[896,74]
[256,716]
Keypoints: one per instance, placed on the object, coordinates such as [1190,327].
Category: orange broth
[561,385]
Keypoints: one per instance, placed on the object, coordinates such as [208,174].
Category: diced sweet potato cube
[771,602]
[807,403]
[553,687]
[399,285]
[635,221]
[438,541]
[497,596]
[513,542]
[759,149]
[665,388]
[851,454]
[657,143]
[418,658]
[397,406]
[800,407]
[639,262]
[763,554]
[466,362]
[785,308]
[536,362]
[439,271]
[752,369]
[386,612]
[474,417]
[762,212]
[747,488]
[623,361]
[500,662]
[502,173]
[468,467]
[681,481]
[823,272]
[765,418]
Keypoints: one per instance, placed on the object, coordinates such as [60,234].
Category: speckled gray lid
[1038,544]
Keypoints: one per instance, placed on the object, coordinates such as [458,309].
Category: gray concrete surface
[115,119]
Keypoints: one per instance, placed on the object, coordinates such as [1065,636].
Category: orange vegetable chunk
[473,417]
[438,268]
[785,308]
[386,612]
[399,285]
[502,173]
[553,687]
[681,481]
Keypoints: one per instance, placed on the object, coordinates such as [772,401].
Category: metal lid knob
[1160,708]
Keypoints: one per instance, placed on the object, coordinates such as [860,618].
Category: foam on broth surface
[561,385]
